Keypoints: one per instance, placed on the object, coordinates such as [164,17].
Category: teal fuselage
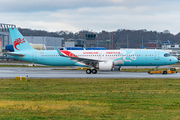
[118,57]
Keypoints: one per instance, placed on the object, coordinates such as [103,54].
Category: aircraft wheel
[149,72]
[164,72]
[94,71]
[88,71]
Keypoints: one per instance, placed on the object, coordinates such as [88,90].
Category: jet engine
[106,66]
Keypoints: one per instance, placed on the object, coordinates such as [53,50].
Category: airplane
[95,59]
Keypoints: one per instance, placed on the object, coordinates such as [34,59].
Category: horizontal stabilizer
[15,54]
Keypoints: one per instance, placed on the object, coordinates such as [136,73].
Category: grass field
[144,69]
[90,99]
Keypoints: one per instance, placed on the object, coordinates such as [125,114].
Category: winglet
[59,52]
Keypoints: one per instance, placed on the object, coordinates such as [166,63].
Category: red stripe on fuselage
[68,53]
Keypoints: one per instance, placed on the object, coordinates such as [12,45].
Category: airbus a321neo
[95,59]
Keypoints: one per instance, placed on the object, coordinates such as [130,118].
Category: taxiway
[44,72]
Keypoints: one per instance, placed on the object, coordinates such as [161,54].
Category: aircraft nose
[175,60]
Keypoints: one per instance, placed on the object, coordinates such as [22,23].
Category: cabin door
[34,56]
[156,56]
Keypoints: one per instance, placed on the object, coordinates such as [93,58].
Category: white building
[175,46]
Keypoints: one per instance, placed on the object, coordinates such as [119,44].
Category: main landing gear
[89,71]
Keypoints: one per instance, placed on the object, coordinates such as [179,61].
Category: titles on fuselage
[97,52]
[112,52]
[90,52]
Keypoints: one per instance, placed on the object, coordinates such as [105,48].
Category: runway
[43,72]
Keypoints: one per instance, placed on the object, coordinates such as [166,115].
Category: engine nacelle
[106,66]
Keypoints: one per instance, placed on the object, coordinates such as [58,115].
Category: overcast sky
[96,15]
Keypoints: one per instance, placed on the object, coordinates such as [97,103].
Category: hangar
[49,42]
[4,34]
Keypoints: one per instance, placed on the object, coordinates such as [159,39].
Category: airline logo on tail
[18,42]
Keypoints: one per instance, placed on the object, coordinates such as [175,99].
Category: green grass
[90,99]
[15,66]
[27,66]
[144,69]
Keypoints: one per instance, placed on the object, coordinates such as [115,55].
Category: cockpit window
[167,55]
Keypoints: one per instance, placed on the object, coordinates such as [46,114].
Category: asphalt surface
[43,72]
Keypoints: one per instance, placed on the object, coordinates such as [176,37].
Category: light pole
[112,41]
[142,41]
[127,40]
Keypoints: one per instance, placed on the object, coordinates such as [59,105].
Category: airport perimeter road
[37,72]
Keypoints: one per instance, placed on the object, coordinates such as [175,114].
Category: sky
[92,15]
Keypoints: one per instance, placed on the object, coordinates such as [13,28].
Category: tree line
[120,36]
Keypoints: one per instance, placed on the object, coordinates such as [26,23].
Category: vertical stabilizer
[18,41]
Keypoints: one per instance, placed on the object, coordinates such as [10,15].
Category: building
[69,43]
[4,34]
[91,40]
[49,42]
[153,44]
[74,43]
[80,43]
[172,46]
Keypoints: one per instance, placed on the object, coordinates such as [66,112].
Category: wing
[86,60]
[76,58]
[15,54]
